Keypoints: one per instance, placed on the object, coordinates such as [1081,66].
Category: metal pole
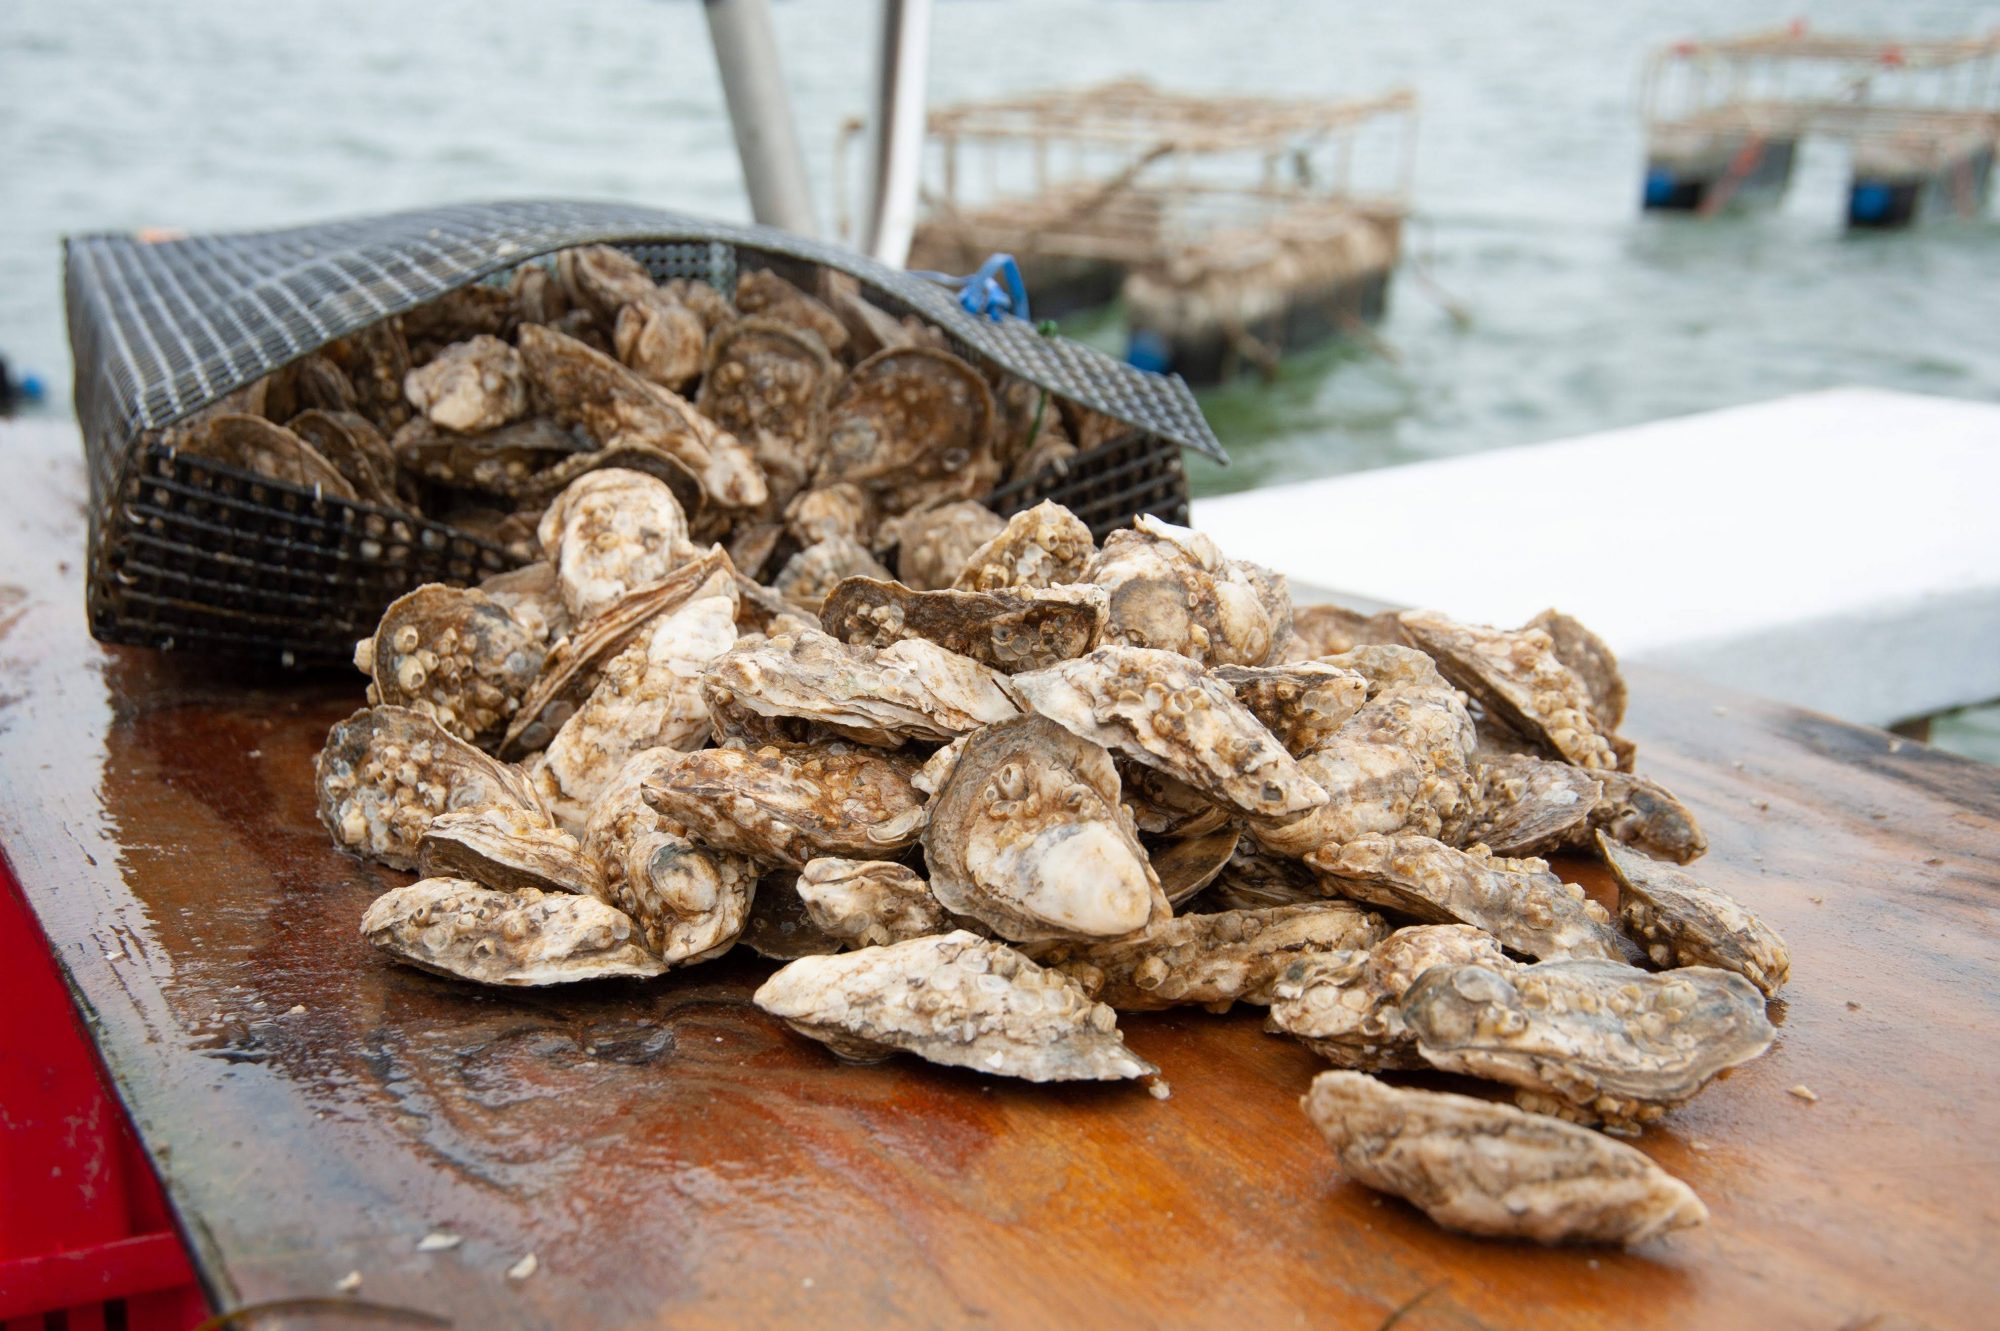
[774,170]
[896,131]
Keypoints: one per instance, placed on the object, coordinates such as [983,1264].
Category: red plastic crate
[85,1239]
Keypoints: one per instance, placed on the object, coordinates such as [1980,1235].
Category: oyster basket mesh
[190,553]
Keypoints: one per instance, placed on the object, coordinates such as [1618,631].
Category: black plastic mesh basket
[190,553]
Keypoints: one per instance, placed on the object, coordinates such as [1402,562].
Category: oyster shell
[255,444]
[529,593]
[1255,877]
[355,448]
[509,849]
[375,360]
[933,545]
[1489,1169]
[1162,710]
[1186,866]
[1213,960]
[660,339]
[809,576]
[647,696]
[455,655]
[458,315]
[762,292]
[1044,546]
[789,804]
[842,511]
[954,999]
[510,461]
[588,389]
[1681,922]
[1523,804]
[571,669]
[870,903]
[1519,902]
[912,690]
[386,772]
[1330,630]
[1027,836]
[1644,815]
[453,927]
[609,533]
[472,386]
[691,902]
[768,384]
[1345,1006]
[1517,677]
[1303,704]
[1595,1039]
[1016,629]
[1590,658]
[779,928]
[600,279]
[1173,590]
[311,383]
[1399,765]
[1162,805]
[912,426]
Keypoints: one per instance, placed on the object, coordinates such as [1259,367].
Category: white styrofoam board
[1838,550]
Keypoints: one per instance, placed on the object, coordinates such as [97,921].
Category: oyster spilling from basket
[1033,783]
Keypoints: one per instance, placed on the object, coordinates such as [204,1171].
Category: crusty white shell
[458,928]
[869,903]
[610,532]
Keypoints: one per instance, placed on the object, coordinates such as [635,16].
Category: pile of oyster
[797,428]
[982,810]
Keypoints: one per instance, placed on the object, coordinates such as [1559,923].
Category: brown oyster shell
[768,384]
[1044,546]
[660,340]
[933,544]
[1304,704]
[454,654]
[386,772]
[1016,629]
[1211,960]
[763,293]
[779,928]
[870,903]
[828,512]
[1523,804]
[1162,805]
[1173,590]
[472,386]
[1595,1039]
[911,690]
[789,804]
[1254,877]
[589,390]
[1329,630]
[509,849]
[809,576]
[955,999]
[255,444]
[1519,902]
[457,928]
[1490,1169]
[1345,1006]
[1162,710]
[511,461]
[1517,677]
[1027,836]
[1644,815]
[600,279]
[355,448]
[1188,865]
[913,427]
[1682,922]
[1592,661]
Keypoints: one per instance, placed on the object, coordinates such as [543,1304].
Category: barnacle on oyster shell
[1162,710]
[1523,804]
[1599,1040]
[1346,1006]
[386,772]
[955,999]
[454,654]
[789,804]
[1519,902]
[1592,661]
[870,903]
[1212,960]
[525,937]
[1484,1168]
[1009,630]
[1682,922]
[1044,546]
[1027,836]
[1172,589]
[768,384]
[1304,704]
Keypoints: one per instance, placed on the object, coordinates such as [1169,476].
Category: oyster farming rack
[190,553]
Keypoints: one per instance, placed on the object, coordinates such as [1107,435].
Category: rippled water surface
[1582,314]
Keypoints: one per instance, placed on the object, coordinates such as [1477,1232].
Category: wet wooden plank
[675,1159]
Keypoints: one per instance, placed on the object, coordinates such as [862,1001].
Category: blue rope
[995,292]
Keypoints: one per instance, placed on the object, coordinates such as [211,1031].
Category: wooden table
[674,1158]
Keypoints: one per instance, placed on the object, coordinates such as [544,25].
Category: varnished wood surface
[673,1158]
